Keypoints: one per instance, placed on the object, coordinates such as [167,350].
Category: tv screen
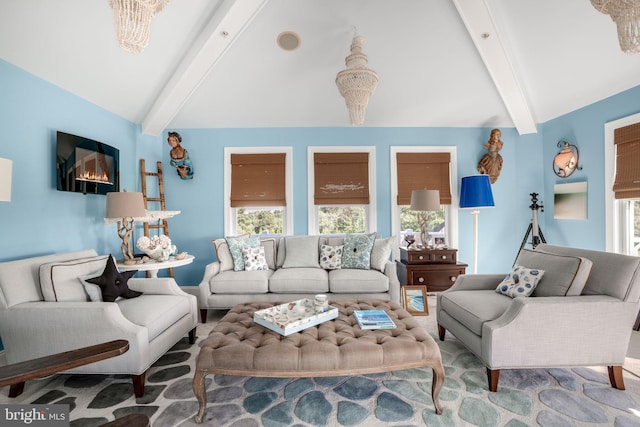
[86,166]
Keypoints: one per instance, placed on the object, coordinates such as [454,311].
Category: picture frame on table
[415,299]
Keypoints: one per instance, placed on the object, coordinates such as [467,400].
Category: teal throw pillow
[357,250]
[521,282]
[236,245]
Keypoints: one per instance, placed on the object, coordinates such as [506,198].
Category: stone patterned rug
[545,397]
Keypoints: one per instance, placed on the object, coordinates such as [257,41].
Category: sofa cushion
[564,274]
[357,250]
[236,244]
[381,253]
[254,259]
[241,282]
[355,281]
[155,312]
[302,252]
[113,284]
[270,246]
[59,280]
[473,309]
[304,280]
[520,282]
[223,254]
[331,257]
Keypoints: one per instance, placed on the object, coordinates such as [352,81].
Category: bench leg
[436,385]
[192,336]
[203,315]
[493,375]
[199,391]
[615,377]
[138,384]
[16,390]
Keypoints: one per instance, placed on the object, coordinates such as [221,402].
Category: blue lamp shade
[475,192]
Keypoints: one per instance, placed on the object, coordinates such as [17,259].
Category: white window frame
[230,216]
[617,212]
[450,211]
[371,222]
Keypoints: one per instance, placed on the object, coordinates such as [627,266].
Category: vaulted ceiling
[216,63]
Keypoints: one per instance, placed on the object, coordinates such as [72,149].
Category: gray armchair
[45,309]
[575,317]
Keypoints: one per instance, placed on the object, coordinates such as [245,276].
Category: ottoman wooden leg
[436,385]
[198,385]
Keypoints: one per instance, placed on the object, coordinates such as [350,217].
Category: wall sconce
[566,161]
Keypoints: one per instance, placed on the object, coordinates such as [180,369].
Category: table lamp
[5,180]
[475,193]
[124,206]
[425,201]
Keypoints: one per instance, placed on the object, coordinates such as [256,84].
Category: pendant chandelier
[133,19]
[357,82]
[626,15]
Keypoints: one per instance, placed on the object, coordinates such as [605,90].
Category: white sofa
[223,288]
[580,314]
[33,324]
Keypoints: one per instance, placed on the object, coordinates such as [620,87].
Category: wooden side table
[153,266]
[438,269]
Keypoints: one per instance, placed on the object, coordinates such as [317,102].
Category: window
[341,190]
[622,176]
[433,168]
[258,191]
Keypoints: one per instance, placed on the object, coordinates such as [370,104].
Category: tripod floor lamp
[475,193]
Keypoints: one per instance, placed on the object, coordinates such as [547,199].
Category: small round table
[153,266]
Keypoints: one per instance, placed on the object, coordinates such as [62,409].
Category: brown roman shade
[258,180]
[423,171]
[627,142]
[341,178]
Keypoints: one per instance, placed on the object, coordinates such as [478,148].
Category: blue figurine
[179,156]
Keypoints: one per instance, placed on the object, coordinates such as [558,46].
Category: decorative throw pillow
[59,280]
[223,254]
[521,282]
[331,257]
[236,244]
[254,259]
[381,253]
[565,274]
[357,250]
[93,291]
[301,252]
[113,284]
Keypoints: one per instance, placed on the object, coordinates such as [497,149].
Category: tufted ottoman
[238,346]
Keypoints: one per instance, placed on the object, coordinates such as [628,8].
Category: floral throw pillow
[357,250]
[236,244]
[254,259]
[521,282]
[331,257]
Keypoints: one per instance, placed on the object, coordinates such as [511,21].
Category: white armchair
[572,318]
[32,327]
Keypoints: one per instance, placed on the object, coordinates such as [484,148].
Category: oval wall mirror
[566,161]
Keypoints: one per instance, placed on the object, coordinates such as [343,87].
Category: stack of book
[373,319]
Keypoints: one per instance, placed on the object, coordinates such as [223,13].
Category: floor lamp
[475,193]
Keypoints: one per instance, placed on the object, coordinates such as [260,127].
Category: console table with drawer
[438,269]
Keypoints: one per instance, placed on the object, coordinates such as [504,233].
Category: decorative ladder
[163,223]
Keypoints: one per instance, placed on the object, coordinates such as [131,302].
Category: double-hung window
[343,190]
[257,191]
[622,164]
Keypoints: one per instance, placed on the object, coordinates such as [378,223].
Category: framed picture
[415,299]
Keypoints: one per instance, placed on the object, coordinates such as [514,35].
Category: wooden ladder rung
[153,199]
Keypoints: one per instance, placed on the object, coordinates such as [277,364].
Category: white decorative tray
[291,317]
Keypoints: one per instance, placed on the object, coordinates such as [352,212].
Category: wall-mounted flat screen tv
[86,166]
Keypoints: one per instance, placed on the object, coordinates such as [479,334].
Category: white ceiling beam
[228,22]
[480,24]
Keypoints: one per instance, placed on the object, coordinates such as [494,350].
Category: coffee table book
[292,317]
[373,319]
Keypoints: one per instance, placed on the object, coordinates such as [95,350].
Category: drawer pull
[443,257]
[420,279]
[453,278]
[420,257]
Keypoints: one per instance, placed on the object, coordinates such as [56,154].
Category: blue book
[373,319]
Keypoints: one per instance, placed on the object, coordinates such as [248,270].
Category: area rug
[544,397]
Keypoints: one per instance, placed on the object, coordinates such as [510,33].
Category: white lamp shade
[5,180]
[425,200]
[125,205]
